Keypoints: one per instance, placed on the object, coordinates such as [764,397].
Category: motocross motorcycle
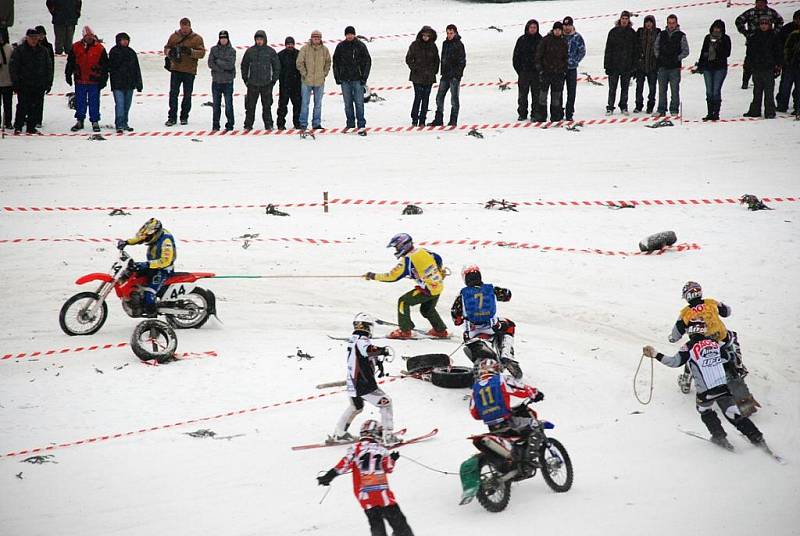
[182,303]
[488,475]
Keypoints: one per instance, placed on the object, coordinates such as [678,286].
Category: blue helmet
[402,244]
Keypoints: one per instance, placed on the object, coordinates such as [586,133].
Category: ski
[324,444]
[422,333]
[698,436]
[412,440]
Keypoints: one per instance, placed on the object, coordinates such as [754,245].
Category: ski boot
[438,334]
[722,441]
[390,438]
[336,439]
[400,334]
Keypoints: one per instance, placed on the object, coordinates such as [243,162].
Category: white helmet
[363,322]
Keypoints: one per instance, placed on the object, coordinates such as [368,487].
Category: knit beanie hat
[289,40]
[224,33]
[349,30]
[87,30]
[558,26]
[316,33]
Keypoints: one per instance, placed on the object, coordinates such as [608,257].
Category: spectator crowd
[545,65]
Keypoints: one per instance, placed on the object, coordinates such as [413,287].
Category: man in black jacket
[454,59]
[123,68]
[764,60]
[670,48]
[525,66]
[289,85]
[43,42]
[260,70]
[31,76]
[351,66]
[788,74]
[747,25]
[65,17]
[620,61]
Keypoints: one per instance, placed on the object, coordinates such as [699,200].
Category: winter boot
[77,126]
[453,119]
[95,126]
[401,334]
[438,334]
[710,419]
[710,115]
[716,105]
[438,119]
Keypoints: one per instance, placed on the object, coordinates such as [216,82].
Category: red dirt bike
[488,475]
[184,305]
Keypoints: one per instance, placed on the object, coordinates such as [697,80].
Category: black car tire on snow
[422,362]
[452,377]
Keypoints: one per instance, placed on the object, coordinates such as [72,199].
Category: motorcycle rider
[161,255]
[476,308]
[491,403]
[705,359]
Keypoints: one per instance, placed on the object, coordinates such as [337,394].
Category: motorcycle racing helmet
[363,322]
[488,367]
[471,275]
[148,232]
[402,244]
[371,429]
[692,291]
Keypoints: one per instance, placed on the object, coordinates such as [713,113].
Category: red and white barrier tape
[397,202]
[518,125]
[315,241]
[101,438]
[402,87]
[560,249]
[92,348]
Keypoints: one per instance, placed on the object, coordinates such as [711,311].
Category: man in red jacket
[87,63]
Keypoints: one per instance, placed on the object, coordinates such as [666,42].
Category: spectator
[422,59]
[222,62]
[65,17]
[123,66]
[747,25]
[351,66]
[788,74]
[6,88]
[646,66]
[713,64]
[791,58]
[87,65]
[6,20]
[183,50]
[43,42]
[551,62]
[764,59]
[289,85]
[620,61]
[525,66]
[260,70]
[576,50]
[671,47]
[314,64]
[454,60]
[31,77]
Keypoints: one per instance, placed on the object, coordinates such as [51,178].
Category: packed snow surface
[582,318]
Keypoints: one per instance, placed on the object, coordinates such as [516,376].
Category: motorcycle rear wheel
[194,317]
[492,494]
[556,465]
[74,318]
[154,340]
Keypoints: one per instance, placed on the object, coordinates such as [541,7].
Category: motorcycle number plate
[177,291]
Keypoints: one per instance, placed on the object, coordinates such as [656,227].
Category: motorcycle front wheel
[493,494]
[556,465]
[75,318]
[154,340]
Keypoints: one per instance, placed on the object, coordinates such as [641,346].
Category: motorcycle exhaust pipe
[171,311]
[508,476]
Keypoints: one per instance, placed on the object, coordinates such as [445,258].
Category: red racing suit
[370,464]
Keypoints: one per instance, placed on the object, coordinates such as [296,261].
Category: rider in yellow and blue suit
[161,255]
[426,268]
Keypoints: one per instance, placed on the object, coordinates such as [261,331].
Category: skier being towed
[706,361]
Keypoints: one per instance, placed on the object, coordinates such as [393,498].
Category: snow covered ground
[582,318]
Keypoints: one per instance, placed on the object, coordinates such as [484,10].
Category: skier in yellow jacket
[426,268]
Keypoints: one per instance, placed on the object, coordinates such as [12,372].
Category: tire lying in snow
[154,339]
[426,361]
[452,377]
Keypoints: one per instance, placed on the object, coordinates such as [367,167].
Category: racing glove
[325,480]
[121,244]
